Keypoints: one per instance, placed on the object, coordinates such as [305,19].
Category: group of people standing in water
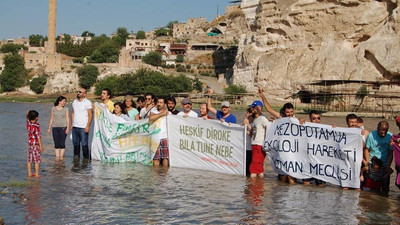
[377,145]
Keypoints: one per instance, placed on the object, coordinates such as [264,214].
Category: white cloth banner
[118,140]
[316,151]
[206,144]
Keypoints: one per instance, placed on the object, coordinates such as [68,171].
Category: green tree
[153,58]
[111,82]
[179,58]
[87,34]
[197,84]
[67,38]
[163,32]
[37,84]
[87,76]
[14,74]
[122,35]
[145,81]
[140,35]
[233,89]
[170,25]
[12,48]
[107,52]
[36,40]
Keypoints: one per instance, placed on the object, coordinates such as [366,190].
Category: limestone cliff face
[293,42]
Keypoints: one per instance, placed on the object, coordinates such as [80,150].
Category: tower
[51,44]
[53,60]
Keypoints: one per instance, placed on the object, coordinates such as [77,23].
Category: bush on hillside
[37,84]
[87,76]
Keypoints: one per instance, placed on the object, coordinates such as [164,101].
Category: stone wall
[288,43]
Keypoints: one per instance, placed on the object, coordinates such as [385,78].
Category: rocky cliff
[289,43]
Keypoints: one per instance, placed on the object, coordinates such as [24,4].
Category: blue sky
[20,18]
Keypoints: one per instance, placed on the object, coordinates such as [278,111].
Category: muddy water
[77,192]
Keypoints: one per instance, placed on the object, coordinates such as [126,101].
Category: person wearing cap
[130,107]
[224,115]
[257,133]
[187,109]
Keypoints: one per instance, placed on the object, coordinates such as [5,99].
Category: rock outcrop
[289,43]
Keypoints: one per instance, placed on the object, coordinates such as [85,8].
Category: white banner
[206,144]
[316,151]
[118,140]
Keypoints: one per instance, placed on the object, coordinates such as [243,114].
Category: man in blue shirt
[224,115]
[378,144]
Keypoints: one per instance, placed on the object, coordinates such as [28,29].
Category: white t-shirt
[81,115]
[259,128]
[143,112]
[190,114]
[163,133]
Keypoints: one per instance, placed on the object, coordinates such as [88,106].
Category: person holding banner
[286,111]
[378,144]
[258,134]
[162,150]
[146,111]
[204,112]
[105,99]
[224,115]
[130,107]
[187,109]
[120,111]
[171,103]
[315,117]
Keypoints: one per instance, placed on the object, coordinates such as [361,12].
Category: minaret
[53,60]
[51,43]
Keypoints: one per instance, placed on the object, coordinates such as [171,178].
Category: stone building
[140,47]
[135,49]
[231,8]
[17,41]
[194,26]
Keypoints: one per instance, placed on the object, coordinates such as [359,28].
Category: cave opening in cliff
[216,31]
[305,96]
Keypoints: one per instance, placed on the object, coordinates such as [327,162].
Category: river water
[77,192]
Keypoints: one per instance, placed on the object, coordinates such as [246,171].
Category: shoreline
[18,97]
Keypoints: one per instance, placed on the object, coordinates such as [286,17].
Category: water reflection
[33,205]
[75,191]
[254,195]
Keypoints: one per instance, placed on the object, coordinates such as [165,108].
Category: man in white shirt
[258,133]
[187,109]
[81,118]
[162,150]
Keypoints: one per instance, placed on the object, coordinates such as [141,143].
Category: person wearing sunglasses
[81,118]
[315,117]
[149,107]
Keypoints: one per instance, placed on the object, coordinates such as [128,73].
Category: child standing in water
[35,147]
[373,176]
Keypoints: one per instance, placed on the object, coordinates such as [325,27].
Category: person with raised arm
[224,115]
[286,111]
